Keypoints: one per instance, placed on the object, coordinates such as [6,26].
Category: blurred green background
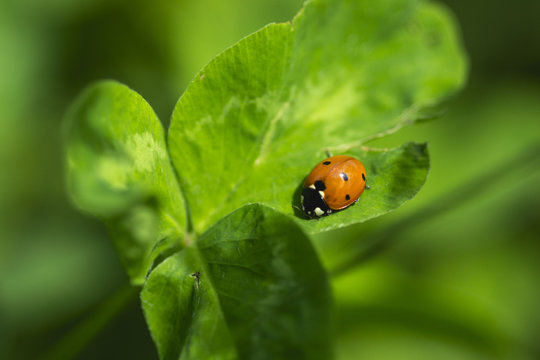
[454,273]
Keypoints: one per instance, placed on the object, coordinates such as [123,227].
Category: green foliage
[247,130]
[262,293]
[394,176]
[119,170]
[262,113]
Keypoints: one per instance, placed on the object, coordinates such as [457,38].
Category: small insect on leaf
[334,184]
[197,276]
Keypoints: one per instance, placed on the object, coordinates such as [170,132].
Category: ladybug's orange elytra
[334,184]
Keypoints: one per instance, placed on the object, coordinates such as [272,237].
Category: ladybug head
[313,203]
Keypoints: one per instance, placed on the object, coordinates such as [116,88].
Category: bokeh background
[453,274]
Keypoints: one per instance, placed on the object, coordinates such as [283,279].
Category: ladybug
[334,184]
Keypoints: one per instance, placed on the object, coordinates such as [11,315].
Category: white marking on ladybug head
[322,194]
[318,211]
[312,186]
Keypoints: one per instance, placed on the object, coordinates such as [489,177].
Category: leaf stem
[82,334]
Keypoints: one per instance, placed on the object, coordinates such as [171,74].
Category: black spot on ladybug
[344,176]
[319,185]
[326,163]
[363,176]
[347,197]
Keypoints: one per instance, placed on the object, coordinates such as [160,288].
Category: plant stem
[83,333]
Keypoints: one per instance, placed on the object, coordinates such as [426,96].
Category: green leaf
[263,293]
[259,116]
[393,176]
[118,169]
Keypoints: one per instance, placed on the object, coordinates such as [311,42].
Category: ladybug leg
[368,187]
[304,213]
[328,153]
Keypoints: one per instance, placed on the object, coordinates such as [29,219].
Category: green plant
[217,197]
